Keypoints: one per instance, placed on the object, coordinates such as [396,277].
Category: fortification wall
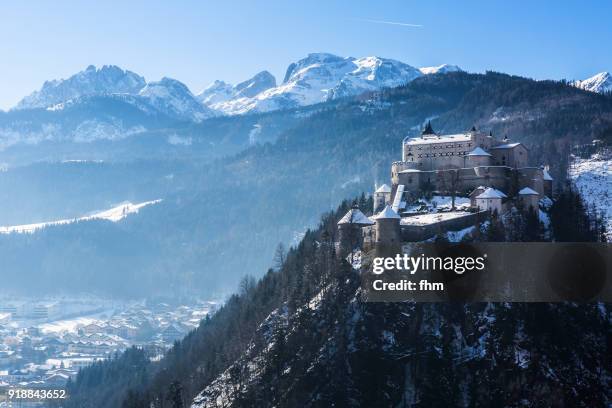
[413,233]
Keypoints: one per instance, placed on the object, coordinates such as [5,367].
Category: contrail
[390,23]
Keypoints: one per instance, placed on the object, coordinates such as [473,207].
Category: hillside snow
[114,214]
[593,178]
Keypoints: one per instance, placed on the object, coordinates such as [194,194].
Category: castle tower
[388,227]
[528,198]
[350,236]
[382,197]
[479,157]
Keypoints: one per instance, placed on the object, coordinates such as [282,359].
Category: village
[44,344]
[448,184]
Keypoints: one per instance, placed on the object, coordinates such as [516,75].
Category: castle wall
[413,233]
[462,180]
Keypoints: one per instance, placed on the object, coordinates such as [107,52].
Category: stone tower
[387,227]
[350,235]
[382,197]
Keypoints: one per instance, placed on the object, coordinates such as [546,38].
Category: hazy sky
[199,41]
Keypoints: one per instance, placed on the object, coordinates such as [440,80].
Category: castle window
[420,156]
[410,180]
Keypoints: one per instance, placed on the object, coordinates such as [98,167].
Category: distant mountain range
[317,78]
[110,103]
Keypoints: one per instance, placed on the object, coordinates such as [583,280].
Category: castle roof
[428,139]
[428,129]
[490,192]
[506,145]
[547,175]
[387,213]
[528,191]
[478,152]
[384,189]
[479,188]
[355,216]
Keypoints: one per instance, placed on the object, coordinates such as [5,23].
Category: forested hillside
[302,337]
[270,192]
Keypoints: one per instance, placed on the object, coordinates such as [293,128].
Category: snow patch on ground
[114,214]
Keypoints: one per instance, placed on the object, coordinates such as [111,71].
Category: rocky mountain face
[93,81]
[599,83]
[174,99]
[218,92]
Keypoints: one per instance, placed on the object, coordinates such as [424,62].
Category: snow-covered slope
[173,98]
[440,69]
[114,214]
[321,77]
[109,79]
[600,83]
[593,178]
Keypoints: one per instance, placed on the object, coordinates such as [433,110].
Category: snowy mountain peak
[599,83]
[440,69]
[92,81]
[174,99]
[216,92]
[259,83]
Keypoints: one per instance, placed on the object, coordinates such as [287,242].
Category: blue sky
[199,41]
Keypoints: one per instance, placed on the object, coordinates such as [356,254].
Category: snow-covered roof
[410,171]
[478,152]
[355,216]
[506,146]
[479,188]
[384,189]
[528,191]
[547,175]
[427,139]
[387,213]
[490,192]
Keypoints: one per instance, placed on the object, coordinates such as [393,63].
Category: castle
[485,174]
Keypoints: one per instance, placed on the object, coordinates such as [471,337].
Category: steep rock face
[93,81]
[599,83]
